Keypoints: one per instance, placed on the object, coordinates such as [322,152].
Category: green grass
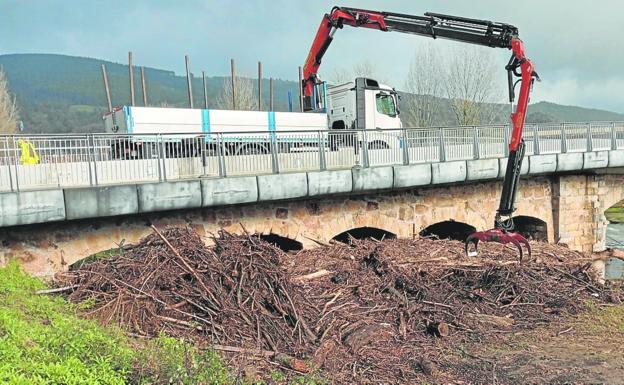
[615,213]
[43,340]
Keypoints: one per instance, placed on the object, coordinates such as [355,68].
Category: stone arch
[449,229]
[531,227]
[284,243]
[364,232]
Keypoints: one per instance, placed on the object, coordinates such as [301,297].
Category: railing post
[274,153]
[590,144]
[564,139]
[203,146]
[16,154]
[475,143]
[441,144]
[536,144]
[8,157]
[506,140]
[406,159]
[91,156]
[221,156]
[161,158]
[321,146]
[613,137]
[365,158]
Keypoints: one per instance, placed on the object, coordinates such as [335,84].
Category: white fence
[40,161]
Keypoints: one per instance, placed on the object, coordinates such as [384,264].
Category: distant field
[616,213]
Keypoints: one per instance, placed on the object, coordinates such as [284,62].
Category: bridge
[82,194]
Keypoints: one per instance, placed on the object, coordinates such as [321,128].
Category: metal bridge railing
[49,161]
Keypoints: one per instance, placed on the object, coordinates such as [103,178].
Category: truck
[357,105]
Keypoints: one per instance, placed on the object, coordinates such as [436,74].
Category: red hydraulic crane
[480,32]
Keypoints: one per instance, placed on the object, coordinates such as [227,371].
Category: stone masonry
[572,207]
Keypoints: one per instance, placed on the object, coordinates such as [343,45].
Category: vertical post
[564,139]
[6,149]
[259,86]
[131,77]
[321,146]
[16,155]
[233,73]
[221,160]
[365,158]
[590,144]
[613,137]
[506,140]
[300,89]
[406,159]
[143,86]
[475,143]
[441,144]
[189,85]
[107,89]
[271,90]
[536,144]
[205,90]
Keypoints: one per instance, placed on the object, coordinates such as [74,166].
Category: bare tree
[471,85]
[244,91]
[425,84]
[364,69]
[9,113]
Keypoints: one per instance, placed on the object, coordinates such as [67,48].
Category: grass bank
[44,340]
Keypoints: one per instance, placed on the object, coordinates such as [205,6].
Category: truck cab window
[385,104]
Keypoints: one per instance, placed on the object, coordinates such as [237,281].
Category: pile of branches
[234,293]
[367,312]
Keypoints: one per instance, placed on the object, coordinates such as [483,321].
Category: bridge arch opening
[284,243]
[364,233]
[614,232]
[531,228]
[450,229]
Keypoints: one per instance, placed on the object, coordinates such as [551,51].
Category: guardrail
[44,161]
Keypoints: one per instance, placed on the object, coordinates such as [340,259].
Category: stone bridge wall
[572,206]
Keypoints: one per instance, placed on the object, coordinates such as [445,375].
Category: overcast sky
[577,45]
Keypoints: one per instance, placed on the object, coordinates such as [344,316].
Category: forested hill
[58,93]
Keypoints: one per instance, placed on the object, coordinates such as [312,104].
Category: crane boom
[462,29]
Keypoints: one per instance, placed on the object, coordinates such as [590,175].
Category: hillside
[60,93]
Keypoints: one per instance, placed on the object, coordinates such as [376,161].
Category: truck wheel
[252,149]
[378,145]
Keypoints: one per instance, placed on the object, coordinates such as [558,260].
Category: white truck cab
[362,104]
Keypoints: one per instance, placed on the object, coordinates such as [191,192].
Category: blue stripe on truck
[129,120]
[271,121]
[205,124]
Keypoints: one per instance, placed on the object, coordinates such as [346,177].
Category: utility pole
[259,86]
[271,90]
[233,71]
[205,90]
[143,86]
[106,89]
[189,85]
[131,76]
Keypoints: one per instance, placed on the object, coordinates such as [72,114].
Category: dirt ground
[588,349]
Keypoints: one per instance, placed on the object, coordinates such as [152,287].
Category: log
[503,322]
[316,274]
[57,290]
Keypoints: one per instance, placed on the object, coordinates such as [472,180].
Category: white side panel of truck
[154,120]
[151,120]
[297,121]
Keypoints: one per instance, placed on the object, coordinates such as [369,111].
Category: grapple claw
[497,235]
